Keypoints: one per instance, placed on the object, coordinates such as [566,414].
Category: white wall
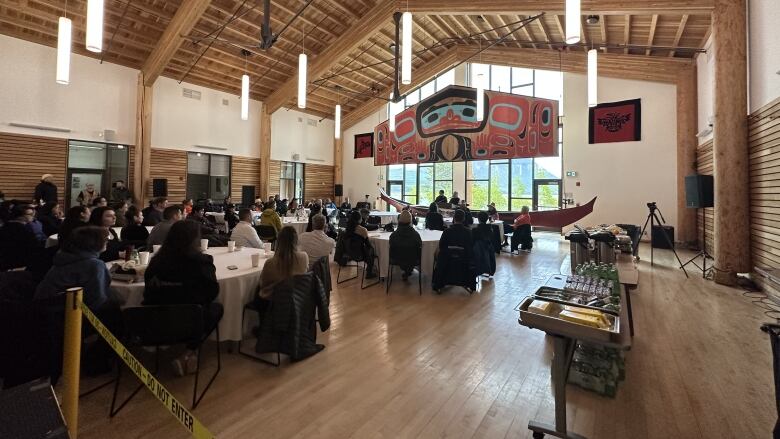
[626,175]
[764,52]
[181,123]
[360,176]
[294,132]
[99,96]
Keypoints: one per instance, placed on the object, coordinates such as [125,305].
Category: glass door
[396,189]
[84,186]
[547,194]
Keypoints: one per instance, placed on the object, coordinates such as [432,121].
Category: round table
[299,225]
[236,288]
[53,240]
[385,217]
[430,242]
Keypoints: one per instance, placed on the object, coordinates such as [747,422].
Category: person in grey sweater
[172,215]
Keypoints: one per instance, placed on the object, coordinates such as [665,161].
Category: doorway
[547,194]
[84,180]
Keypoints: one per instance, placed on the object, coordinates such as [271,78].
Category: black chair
[267,233]
[374,220]
[358,250]
[401,255]
[163,325]
[454,267]
[258,306]
[321,270]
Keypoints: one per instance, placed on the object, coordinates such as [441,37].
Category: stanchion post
[71,359]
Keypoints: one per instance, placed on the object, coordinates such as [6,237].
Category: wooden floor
[460,366]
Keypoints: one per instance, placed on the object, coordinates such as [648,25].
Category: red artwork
[444,128]
[616,122]
[364,145]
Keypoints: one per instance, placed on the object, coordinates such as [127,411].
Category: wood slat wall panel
[274,174]
[24,158]
[318,182]
[130,167]
[170,164]
[245,172]
[705,166]
[764,144]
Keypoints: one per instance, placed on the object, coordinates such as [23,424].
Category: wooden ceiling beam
[651,35]
[560,28]
[530,7]
[445,28]
[338,49]
[501,22]
[679,34]
[170,41]
[526,30]
[546,34]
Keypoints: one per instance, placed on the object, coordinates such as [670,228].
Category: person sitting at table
[50,217]
[354,230]
[316,243]
[469,219]
[492,212]
[455,200]
[228,201]
[433,219]
[87,196]
[18,244]
[77,216]
[153,214]
[441,198]
[180,273]
[231,217]
[120,193]
[286,262]
[244,234]
[292,209]
[457,236]
[269,217]
[281,207]
[172,215]
[100,201]
[186,206]
[522,232]
[36,227]
[405,236]
[346,205]
[120,209]
[364,214]
[134,231]
[106,217]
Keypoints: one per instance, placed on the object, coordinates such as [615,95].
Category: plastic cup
[267,247]
[156,248]
[204,244]
[256,260]
[231,246]
[144,257]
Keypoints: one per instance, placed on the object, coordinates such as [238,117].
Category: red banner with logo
[616,122]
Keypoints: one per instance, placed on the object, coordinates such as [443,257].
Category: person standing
[88,195]
[120,193]
[45,191]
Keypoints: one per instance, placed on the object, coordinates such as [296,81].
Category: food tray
[557,326]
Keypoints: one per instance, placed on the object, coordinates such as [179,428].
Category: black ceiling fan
[267,37]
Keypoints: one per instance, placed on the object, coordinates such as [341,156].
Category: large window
[208,176]
[428,89]
[291,181]
[419,184]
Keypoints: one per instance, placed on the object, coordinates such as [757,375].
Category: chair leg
[389,278]
[419,279]
[365,273]
[338,276]
[111,411]
[195,398]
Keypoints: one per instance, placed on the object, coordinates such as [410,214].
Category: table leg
[630,312]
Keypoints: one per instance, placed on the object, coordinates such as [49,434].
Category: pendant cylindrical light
[63,50]
[406,48]
[95,25]
[593,78]
[302,61]
[337,119]
[480,97]
[573,12]
[391,115]
[245,97]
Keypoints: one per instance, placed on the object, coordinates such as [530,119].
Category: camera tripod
[652,219]
[703,252]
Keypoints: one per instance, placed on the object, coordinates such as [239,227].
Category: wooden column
[143,141]
[730,148]
[687,114]
[338,170]
[265,151]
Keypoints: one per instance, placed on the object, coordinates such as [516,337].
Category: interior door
[547,194]
[78,181]
[395,188]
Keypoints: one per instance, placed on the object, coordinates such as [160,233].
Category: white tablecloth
[299,225]
[430,242]
[53,240]
[386,217]
[236,288]
[499,225]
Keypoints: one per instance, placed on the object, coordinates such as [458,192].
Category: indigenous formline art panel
[444,128]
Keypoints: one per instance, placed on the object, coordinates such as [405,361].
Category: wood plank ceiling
[132,28]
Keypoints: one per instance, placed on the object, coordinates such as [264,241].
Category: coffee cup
[255,260]
[144,258]
[156,248]
[204,244]
[267,247]
[231,246]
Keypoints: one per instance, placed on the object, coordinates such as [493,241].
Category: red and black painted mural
[444,128]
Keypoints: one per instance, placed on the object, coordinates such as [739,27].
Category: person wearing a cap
[405,236]
[45,191]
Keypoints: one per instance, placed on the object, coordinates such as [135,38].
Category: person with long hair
[286,262]
[180,273]
[106,217]
[433,219]
[77,216]
[120,208]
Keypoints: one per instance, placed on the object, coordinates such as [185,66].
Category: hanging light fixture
[337,119]
[64,32]
[391,114]
[95,25]
[302,66]
[573,12]
[480,97]
[406,48]
[593,78]
[245,90]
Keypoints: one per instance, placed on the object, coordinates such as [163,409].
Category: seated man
[244,234]
[406,237]
[316,243]
[522,231]
[346,205]
[18,243]
[455,242]
[231,218]
[171,214]
[364,214]
[433,219]
[269,217]
[198,215]
[154,213]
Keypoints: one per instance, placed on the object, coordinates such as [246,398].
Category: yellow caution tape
[177,409]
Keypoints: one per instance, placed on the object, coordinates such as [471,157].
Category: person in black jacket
[106,217]
[454,263]
[50,217]
[484,252]
[45,191]
[153,214]
[77,216]
[134,232]
[455,200]
[441,198]
[433,219]
[180,273]
[18,244]
[407,240]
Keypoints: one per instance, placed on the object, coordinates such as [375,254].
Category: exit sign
[571,173]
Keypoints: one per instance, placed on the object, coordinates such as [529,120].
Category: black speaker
[247,196]
[699,191]
[338,190]
[160,187]
[657,239]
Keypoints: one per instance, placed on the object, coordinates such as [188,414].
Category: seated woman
[492,212]
[120,208]
[106,217]
[181,274]
[269,217]
[355,231]
[522,231]
[134,231]
[286,262]
[292,208]
[433,219]
[77,216]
